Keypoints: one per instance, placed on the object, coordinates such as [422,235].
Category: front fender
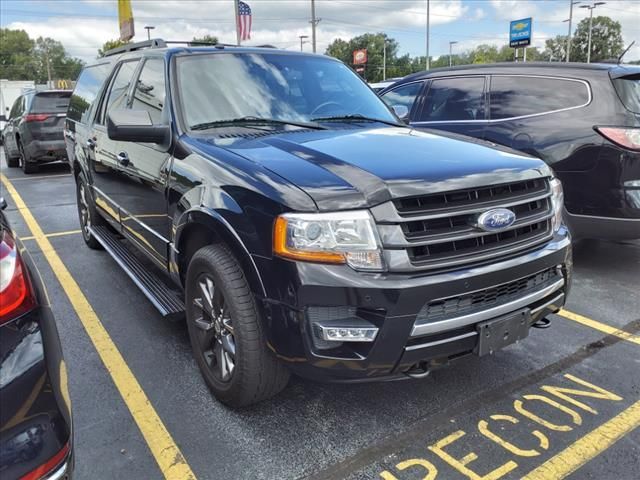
[218,229]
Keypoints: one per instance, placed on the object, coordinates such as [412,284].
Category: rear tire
[87,212]
[27,165]
[226,332]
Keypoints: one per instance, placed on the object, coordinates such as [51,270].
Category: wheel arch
[200,227]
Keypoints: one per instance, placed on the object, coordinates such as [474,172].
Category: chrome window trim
[461,321]
[532,115]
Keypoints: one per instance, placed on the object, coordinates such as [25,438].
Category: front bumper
[393,303]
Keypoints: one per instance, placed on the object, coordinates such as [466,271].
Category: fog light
[334,332]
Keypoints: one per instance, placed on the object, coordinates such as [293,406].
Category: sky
[84,25]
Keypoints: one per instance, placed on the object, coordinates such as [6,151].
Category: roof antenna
[625,51]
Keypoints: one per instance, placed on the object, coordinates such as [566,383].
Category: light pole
[428,35]
[314,23]
[451,44]
[384,58]
[148,29]
[302,42]
[571,4]
[591,9]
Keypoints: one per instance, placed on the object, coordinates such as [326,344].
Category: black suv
[299,225]
[33,133]
[581,119]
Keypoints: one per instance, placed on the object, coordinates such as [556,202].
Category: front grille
[437,231]
[468,303]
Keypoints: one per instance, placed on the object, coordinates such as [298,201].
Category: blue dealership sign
[520,32]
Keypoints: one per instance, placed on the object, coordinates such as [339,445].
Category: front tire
[12,162]
[226,333]
[87,212]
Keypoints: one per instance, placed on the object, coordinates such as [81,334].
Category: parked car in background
[380,86]
[298,226]
[9,91]
[35,411]
[34,130]
[581,119]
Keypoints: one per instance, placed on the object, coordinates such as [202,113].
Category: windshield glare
[228,86]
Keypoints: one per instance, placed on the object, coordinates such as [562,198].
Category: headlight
[557,202]
[342,237]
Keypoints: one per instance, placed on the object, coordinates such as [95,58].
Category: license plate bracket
[499,332]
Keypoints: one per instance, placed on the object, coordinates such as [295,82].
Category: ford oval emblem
[495,219]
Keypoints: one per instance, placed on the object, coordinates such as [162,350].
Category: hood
[356,168]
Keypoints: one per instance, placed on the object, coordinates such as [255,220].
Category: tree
[555,49]
[110,44]
[606,40]
[52,62]
[204,39]
[16,55]
[374,43]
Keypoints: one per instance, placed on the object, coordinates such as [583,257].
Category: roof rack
[130,47]
[160,43]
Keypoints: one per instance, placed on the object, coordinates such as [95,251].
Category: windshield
[220,87]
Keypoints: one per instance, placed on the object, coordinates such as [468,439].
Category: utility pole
[571,4]
[236,7]
[302,42]
[451,44]
[46,56]
[314,24]
[427,62]
[384,58]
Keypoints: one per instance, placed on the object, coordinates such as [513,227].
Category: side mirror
[135,126]
[3,203]
[3,118]
[401,111]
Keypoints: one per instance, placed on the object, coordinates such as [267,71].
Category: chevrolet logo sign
[520,26]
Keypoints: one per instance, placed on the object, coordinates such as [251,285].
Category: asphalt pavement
[564,403]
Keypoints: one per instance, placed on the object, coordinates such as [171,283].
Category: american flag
[244,21]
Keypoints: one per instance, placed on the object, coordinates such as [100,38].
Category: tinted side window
[118,94]
[404,95]
[454,99]
[516,96]
[149,93]
[87,88]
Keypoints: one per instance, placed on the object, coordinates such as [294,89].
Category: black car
[581,119]
[275,200]
[33,133]
[35,411]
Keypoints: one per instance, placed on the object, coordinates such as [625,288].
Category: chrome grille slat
[442,236]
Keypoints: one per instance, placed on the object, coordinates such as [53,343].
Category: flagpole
[236,6]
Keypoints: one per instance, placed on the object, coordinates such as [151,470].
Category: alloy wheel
[214,329]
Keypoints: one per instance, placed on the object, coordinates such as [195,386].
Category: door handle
[123,158]
[91,143]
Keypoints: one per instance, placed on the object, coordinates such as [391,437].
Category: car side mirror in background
[136,126]
[401,111]
[3,203]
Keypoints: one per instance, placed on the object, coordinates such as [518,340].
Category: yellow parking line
[39,177]
[603,327]
[55,234]
[589,446]
[167,454]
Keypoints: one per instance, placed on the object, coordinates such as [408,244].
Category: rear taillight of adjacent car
[625,137]
[36,117]
[16,293]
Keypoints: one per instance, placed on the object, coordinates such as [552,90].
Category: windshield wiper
[250,120]
[356,117]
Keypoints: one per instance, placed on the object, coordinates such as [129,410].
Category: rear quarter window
[89,83]
[628,89]
[518,96]
[51,102]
